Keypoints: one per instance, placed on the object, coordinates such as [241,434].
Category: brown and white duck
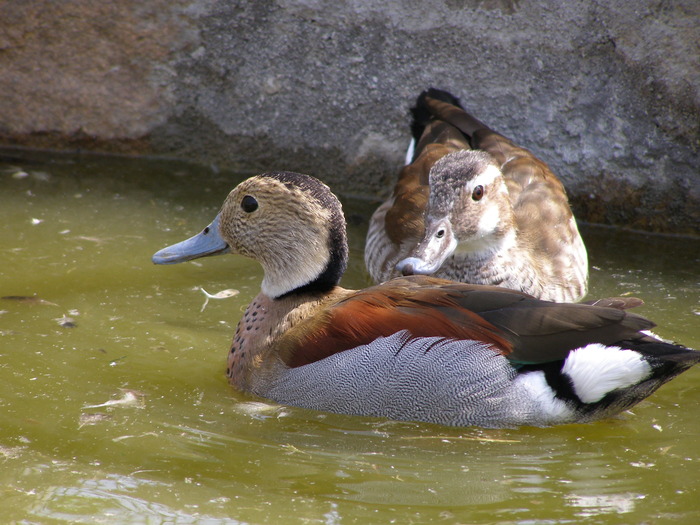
[418,347]
[472,206]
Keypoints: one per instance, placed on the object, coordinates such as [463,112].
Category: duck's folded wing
[549,331]
[542,331]
[384,310]
[516,325]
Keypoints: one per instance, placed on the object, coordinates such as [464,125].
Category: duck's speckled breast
[246,336]
[264,320]
[254,359]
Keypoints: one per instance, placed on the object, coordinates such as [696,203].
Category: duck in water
[417,347]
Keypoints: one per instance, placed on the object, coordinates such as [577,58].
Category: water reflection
[603,504]
[112,499]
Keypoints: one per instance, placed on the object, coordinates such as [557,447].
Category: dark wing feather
[542,331]
[524,329]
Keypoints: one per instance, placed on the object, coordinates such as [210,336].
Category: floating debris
[92,419]
[129,398]
[291,449]
[31,299]
[115,362]
[11,452]
[223,294]
[96,240]
[40,175]
[66,322]
[258,408]
[36,221]
[144,434]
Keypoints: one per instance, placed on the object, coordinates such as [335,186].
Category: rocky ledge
[608,93]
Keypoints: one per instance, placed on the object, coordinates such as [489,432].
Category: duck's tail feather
[436,104]
[620,303]
[599,381]
[428,126]
[422,113]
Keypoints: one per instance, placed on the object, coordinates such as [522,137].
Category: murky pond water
[114,407]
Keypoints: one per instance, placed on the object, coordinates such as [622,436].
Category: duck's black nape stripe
[337,238]
[328,279]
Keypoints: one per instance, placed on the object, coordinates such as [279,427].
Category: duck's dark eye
[440,234]
[249,204]
[478,193]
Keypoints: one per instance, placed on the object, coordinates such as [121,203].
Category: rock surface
[608,93]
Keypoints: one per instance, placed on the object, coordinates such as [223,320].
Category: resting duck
[417,347]
[472,206]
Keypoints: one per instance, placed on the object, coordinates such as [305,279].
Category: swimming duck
[417,347]
[472,206]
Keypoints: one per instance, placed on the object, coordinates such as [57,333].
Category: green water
[77,234]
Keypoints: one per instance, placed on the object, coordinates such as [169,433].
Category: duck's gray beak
[207,242]
[427,257]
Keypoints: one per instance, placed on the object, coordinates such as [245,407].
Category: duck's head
[468,210]
[292,224]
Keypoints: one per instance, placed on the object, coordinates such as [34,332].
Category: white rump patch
[552,410]
[597,369]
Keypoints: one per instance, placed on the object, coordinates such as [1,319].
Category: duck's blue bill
[207,242]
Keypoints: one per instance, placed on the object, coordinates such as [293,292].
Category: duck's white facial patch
[595,370]
[489,220]
[485,178]
[490,216]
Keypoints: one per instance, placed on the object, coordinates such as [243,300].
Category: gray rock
[608,93]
